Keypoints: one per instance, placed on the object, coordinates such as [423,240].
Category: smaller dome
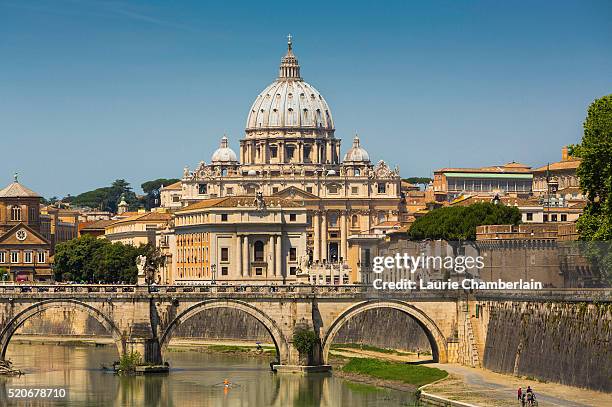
[224,154]
[356,153]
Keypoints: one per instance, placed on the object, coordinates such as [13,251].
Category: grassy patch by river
[228,349]
[362,346]
[416,375]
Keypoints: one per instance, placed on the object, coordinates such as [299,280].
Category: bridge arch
[434,334]
[36,308]
[280,342]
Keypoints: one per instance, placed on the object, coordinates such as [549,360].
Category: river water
[195,379]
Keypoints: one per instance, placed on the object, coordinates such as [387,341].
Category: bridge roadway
[143,319]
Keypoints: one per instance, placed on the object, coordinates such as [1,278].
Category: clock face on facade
[21,234]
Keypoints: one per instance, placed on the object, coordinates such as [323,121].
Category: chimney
[564,154]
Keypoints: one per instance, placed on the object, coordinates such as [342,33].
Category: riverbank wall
[561,342]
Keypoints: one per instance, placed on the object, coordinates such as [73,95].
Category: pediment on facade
[22,234]
[382,170]
[295,193]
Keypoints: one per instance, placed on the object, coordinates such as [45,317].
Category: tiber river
[195,379]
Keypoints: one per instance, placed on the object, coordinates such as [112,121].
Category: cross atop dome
[289,68]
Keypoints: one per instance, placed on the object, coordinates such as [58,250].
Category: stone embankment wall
[384,328]
[62,322]
[566,343]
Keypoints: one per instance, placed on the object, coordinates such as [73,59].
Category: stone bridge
[144,319]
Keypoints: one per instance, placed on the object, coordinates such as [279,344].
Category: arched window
[16,213]
[357,172]
[355,221]
[258,251]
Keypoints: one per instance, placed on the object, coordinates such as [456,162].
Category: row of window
[16,256]
[553,218]
[258,253]
[381,188]
[485,185]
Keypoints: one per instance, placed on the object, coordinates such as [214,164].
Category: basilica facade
[289,177]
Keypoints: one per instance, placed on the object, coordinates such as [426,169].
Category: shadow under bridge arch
[436,339]
[36,308]
[280,342]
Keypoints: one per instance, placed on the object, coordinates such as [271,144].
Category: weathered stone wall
[384,328]
[62,322]
[223,323]
[562,342]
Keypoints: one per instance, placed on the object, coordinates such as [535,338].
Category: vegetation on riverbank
[128,362]
[370,348]
[416,375]
[227,349]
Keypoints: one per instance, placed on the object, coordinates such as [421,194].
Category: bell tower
[19,204]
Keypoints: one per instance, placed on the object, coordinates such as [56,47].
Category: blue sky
[91,91]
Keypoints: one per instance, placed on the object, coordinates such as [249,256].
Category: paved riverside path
[494,389]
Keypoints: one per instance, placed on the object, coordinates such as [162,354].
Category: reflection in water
[195,379]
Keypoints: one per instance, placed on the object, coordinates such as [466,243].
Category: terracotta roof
[568,190]
[98,224]
[16,190]
[466,200]
[577,204]
[560,165]
[387,223]
[511,167]
[145,217]
[241,201]
[176,186]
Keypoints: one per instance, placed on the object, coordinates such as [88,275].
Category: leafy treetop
[457,223]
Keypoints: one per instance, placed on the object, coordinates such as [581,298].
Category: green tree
[91,260]
[151,190]
[107,198]
[595,174]
[458,223]
[418,180]
[78,258]
[150,186]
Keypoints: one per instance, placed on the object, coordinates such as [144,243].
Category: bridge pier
[148,348]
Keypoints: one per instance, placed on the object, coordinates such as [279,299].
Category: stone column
[316,254]
[272,257]
[323,236]
[238,246]
[246,270]
[328,152]
[279,258]
[343,235]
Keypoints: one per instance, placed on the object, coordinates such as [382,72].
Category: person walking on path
[519,393]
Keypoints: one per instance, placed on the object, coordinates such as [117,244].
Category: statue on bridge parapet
[141,263]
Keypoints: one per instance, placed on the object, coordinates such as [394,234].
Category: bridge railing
[357,290]
[163,289]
